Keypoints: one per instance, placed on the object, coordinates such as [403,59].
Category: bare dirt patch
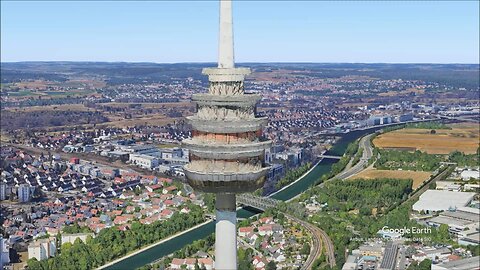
[417,177]
[462,137]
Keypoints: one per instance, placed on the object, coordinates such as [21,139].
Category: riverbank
[152,245]
[303,183]
[298,179]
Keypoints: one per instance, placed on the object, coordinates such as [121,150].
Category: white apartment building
[70,238]
[144,161]
[23,193]
[42,249]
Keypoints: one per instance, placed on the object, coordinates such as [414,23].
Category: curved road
[364,144]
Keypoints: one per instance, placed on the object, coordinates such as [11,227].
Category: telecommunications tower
[227,148]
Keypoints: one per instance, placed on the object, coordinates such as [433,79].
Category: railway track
[320,239]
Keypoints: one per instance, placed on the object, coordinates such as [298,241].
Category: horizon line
[246,62]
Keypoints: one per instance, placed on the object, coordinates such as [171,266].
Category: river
[203,231]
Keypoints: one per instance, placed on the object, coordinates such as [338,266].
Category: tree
[34,264]
[271,266]
[424,265]
[443,233]
[365,211]
[305,249]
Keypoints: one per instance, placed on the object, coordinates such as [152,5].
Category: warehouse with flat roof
[442,200]
[472,263]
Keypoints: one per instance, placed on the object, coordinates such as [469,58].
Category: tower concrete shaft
[225,46]
[225,232]
[227,148]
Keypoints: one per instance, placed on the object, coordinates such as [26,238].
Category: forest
[360,208]
[416,161]
[421,161]
[364,194]
[463,160]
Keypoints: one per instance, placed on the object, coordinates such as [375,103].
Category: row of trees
[111,243]
[428,125]
[357,157]
[293,175]
[187,251]
[352,149]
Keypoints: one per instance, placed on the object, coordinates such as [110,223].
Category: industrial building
[144,161]
[463,223]
[405,117]
[442,200]
[472,263]
[390,257]
[376,120]
[470,174]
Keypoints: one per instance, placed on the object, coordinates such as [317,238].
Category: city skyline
[352,32]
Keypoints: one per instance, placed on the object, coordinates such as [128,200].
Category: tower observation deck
[227,148]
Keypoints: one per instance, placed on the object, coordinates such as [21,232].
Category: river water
[300,186]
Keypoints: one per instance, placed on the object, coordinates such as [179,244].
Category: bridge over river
[319,237]
[170,245]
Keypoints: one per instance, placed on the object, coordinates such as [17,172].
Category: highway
[364,144]
[366,155]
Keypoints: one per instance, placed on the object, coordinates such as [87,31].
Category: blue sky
[269,31]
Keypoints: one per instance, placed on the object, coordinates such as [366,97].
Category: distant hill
[457,75]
